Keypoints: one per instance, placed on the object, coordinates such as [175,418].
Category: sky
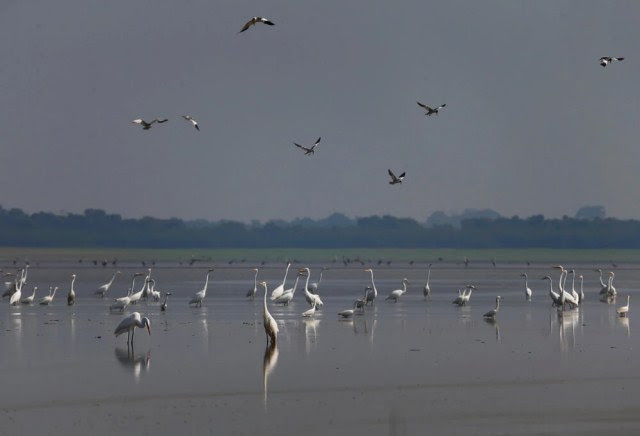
[533,124]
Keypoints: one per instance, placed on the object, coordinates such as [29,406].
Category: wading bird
[252,292]
[624,310]
[308,150]
[122,302]
[396,179]
[493,312]
[163,306]
[527,289]
[313,287]
[429,110]
[147,125]
[45,301]
[310,312]
[71,296]
[287,295]
[199,296]
[254,21]
[396,294]
[30,298]
[426,291]
[312,299]
[129,325]
[279,290]
[270,325]
[192,121]
[372,294]
[102,290]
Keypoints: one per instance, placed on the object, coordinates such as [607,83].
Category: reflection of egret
[129,325]
[624,321]
[270,325]
[310,333]
[494,323]
[268,365]
[128,359]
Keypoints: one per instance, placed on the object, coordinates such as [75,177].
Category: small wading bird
[310,312]
[163,306]
[493,312]
[30,298]
[624,310]
[130,323]
[429,110]
[270,325]
[527,289]
[192,121]
[308,150]
[372,293]
[396,179]
[395,295]
[102,290]
[147,125]
[199,296]
[255,20]
[349,312]
[606,60]
[45,301]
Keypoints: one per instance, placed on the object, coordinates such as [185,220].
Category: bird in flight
[606,60]
[396,179]
[308,150]
[430,111]
[147,125]
[192,121]
[255,20]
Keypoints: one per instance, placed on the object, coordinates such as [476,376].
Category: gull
[396,179]
[147,125]
[256,20]
[308,150]
[430,111]
[606,60]
[192,121]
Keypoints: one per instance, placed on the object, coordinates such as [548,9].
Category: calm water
[400,368]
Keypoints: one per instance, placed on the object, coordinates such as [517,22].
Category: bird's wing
[442,105]
[393,176]
[316,143]
[248,24]
[302,147]
[161,120]
[126,323]
[424,106]
[401,176]
[196,126]
[267,21]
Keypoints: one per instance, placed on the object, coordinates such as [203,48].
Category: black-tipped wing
[401,176]
[248,24]
[393,176]
[424,106]
[302,147]
[160,120]
[268,22]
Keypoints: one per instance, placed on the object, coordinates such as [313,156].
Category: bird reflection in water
[496,325]
[624,322]
[310,333]
[268,365]
[129,359]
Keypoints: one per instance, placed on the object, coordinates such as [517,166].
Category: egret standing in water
[163,306]
[199,296]
[527,289]
[371,295]
[45,301]
[270,325]
[102,290]
[30,298]
[279,290]
[426,291]
[71,296]
[493,312]
[624,310]
[251,293]
[130,323]
[395,295]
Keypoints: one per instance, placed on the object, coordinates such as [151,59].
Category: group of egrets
[13,290]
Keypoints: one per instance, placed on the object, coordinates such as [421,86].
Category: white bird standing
[129,325]
[310,312]
[308,151]
[606,60]
[163,306]
[270,325]
[581,288]
[71,296]
[493,312]
[426,291]
[287,295]
[527,289]
[254,21]
[279,290]
[102,290]
[252,292]
[122,302]
[555,297]
[349,312]
[313,287]
[192,121]
[45,301]
[611,290]
[372,294]
[429,110]
[603,285]
[15,297]
[463,297]
[199,296]
[396,294]
[30,298]
[147,125]
[624,310]
[312,299]
[135,297]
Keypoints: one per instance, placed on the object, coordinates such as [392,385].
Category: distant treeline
[95,228]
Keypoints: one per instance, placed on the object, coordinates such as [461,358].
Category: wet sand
[405,368]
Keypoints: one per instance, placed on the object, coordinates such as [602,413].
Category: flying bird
[192,121]
[308,150]
[430,111]
[256,20]
[396,179]
[606,60]
[147,125]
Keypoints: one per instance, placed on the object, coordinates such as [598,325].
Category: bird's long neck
[320,279]
[404,286]
[54,292]
[306,285]
[526,281]
[573,280]
[601,281]
[166,297]
[428,275]
[73,280]
[550,286]
[34,292]
[610,282]
[470,291]
[255,281]
[112,279]
[295,284]
[264,300]
[206,283]
[133,282]
[373,284]
[497,304]
[284,280]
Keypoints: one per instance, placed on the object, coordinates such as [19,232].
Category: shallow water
[399,368]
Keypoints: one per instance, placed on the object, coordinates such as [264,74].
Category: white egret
[371,296]
[310,312]
[611,290]
[252,292]
[493,312]
[199,296]
[122,302]
[71,296]
[313,287]
[30,298]
[134,297]
[426,291]
[45,301]
[396,294]
[574,294]
[129,325]
[463,297]
[15,297]
[581,288]
[603,285]
[287,295]
[555,297]
[429,110]
[270,325]
[279,290]
[349,312]
[527,289]
[102,290]
[624,310]
[163,306]
[312,299]
[254,21]
[152,291]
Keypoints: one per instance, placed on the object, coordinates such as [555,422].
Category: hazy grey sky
[533,124]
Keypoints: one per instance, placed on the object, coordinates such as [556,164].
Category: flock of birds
[563,299]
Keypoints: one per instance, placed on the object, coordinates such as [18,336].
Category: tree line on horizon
[96,228]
